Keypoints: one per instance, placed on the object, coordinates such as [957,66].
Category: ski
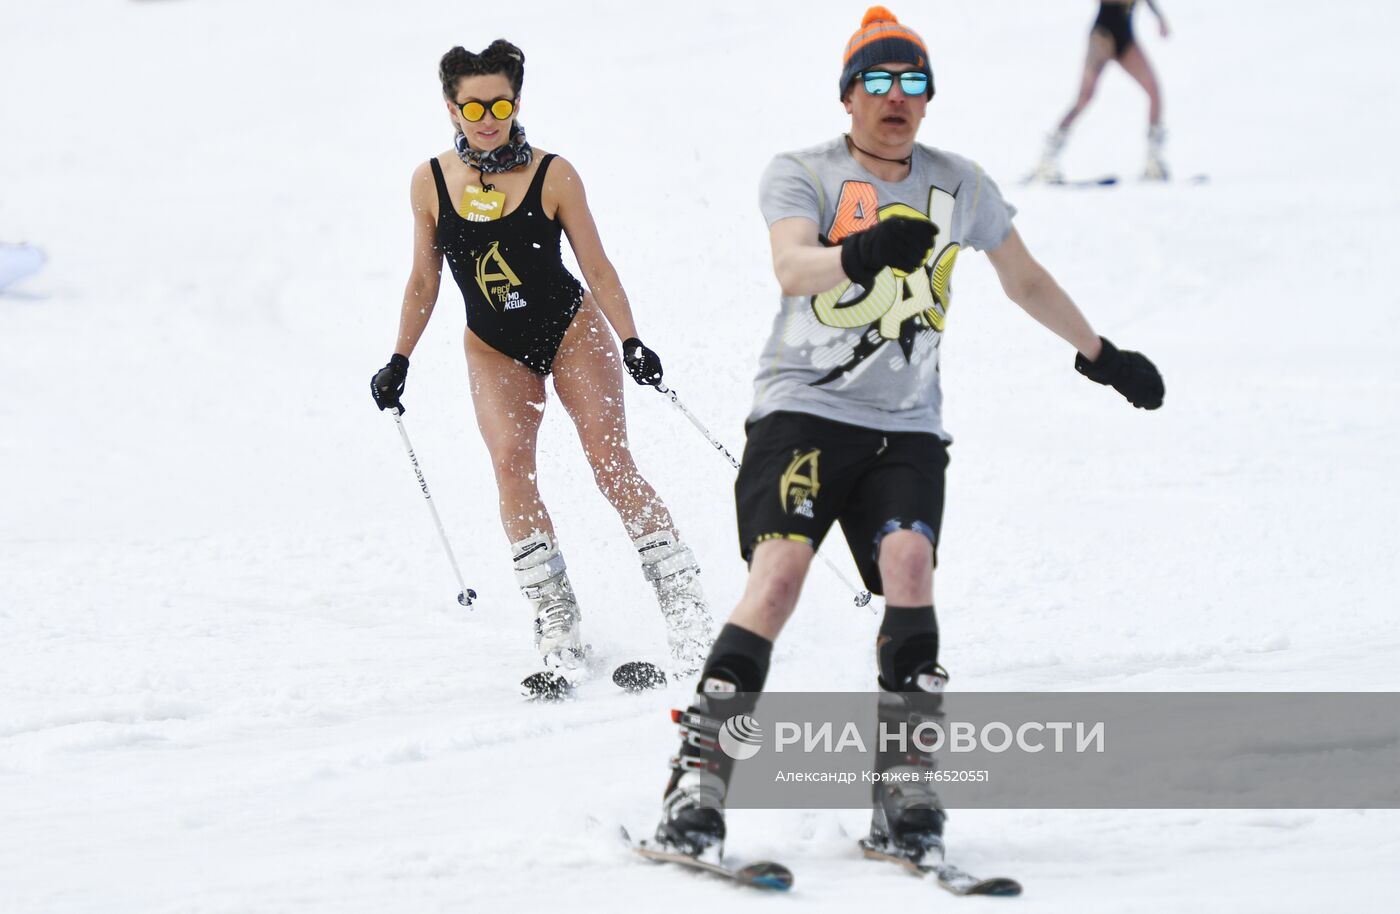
[632,676]
[18,261]
[763,874]
[948,876]
[545,686]
[638,676]
[1100,181]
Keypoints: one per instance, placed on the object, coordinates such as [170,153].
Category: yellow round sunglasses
[500,108]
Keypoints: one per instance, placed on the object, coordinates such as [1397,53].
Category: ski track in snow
[233,675]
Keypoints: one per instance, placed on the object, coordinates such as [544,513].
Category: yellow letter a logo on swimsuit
[495,286]
[799,484]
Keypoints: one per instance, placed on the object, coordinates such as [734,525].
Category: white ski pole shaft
[676,401]
[466,595]
[862,597]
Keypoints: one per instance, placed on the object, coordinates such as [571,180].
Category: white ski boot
[1048,170]
[671,568]
[543,578]
[1156,168]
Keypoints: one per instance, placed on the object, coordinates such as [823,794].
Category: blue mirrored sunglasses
[879,82]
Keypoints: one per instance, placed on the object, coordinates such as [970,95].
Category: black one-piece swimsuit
[1116,21]
[520,297]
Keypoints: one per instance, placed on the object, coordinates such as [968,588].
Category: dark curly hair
[500,56]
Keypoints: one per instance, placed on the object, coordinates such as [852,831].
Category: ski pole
[466,595]
[862,597]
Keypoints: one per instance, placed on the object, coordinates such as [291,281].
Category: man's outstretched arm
[1031,286]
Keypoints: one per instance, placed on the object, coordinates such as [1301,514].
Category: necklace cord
[905,161]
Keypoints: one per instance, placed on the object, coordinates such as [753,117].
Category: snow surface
[233,675]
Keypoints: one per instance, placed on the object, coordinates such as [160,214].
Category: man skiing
[846,425]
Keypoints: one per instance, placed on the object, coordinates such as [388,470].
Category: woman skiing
[1111,38]
[495,208]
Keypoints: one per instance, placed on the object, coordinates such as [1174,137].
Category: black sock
[737,666]
[738,657]
[908,639]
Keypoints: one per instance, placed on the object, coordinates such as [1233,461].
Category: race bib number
[479,205]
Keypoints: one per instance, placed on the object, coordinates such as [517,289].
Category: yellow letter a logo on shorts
[799,484]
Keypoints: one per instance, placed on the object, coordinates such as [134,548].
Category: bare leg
[906,569]
[1138,67]
[775,581]
[1099,54]
[509,401]
[588,378]
[780,566]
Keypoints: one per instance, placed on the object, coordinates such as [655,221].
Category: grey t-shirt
[869,357]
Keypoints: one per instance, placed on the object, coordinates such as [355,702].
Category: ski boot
[543,579]
[671,568]
[1048,170]
[692,817]
[1156,168]
[692,811]
[907,819]
[906,822]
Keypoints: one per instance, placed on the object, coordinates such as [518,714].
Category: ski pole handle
[466,595]
[862,597]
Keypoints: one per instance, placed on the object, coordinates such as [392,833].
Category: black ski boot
[692,811]
[907,819]
[906,822]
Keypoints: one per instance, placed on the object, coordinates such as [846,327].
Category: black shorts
[802,473]
[1116,21]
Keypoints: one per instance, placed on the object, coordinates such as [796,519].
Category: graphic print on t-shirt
[898,306]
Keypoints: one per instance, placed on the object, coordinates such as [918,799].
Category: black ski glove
[1130,373]
[388,382]
[643,364]
[901,243]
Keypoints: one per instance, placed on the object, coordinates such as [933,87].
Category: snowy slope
[233,677]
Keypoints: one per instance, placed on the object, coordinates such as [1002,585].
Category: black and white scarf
[513,154]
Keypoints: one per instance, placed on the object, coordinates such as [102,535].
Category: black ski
[632,676]
[638,676]
[764,874]
[1100,181]
[955,880]
[545,686]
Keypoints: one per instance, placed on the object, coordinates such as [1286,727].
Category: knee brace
[898,523]
[907,650]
